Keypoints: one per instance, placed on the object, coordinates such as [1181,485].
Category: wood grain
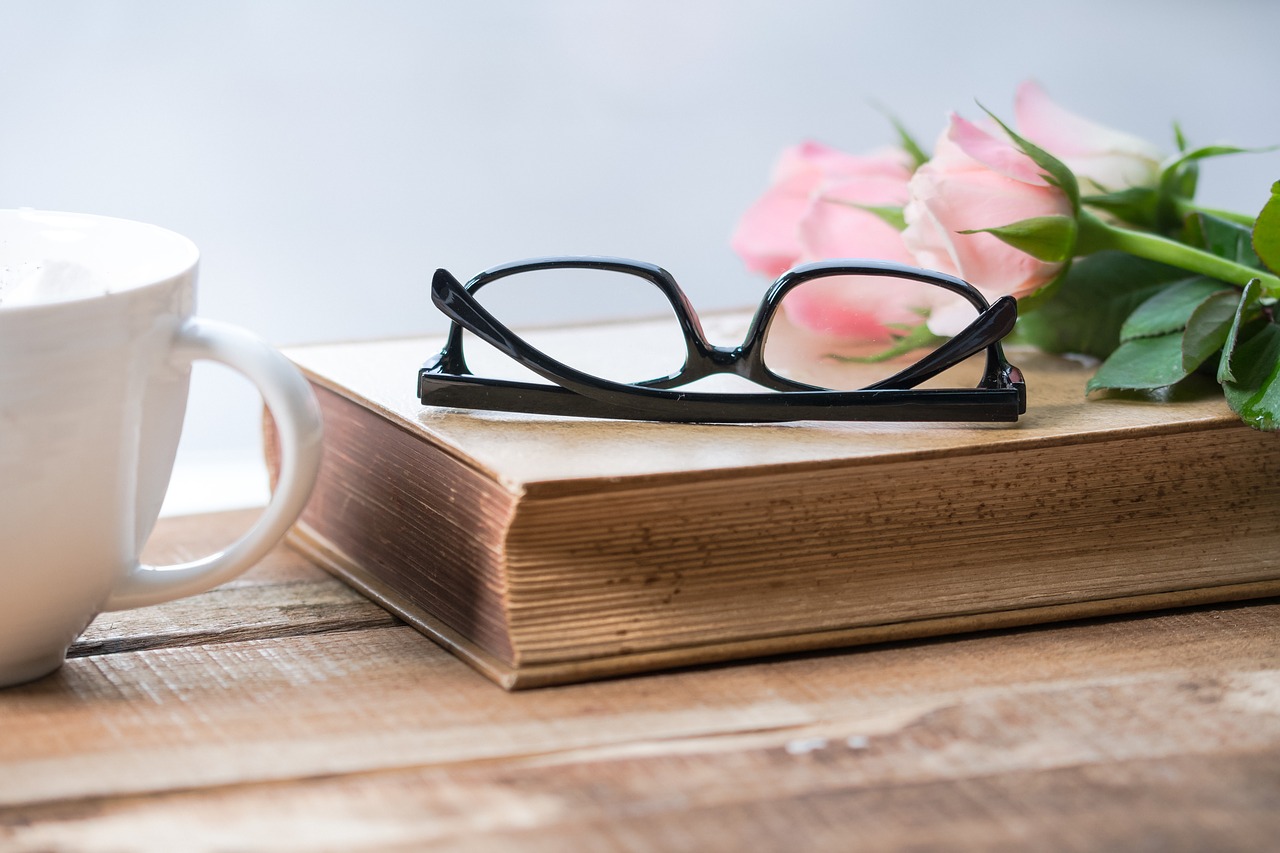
[284,594]
[1156,732]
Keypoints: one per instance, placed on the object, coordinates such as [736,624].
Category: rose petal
[1066,134]
[768,235]
[955,193]
[1000,155]
[867,308]
[1102,159]
[833,227]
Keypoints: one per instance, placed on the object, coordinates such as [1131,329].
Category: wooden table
[284,712]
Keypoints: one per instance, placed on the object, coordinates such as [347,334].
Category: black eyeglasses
[767,355]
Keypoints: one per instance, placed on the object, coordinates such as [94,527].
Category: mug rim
[180,262]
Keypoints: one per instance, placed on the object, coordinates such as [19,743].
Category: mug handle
[297,416]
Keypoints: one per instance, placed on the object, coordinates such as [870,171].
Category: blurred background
[327,155]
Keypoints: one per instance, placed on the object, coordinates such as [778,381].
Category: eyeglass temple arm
[989,328]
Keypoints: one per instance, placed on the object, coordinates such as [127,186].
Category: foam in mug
[97,337]
[49,280]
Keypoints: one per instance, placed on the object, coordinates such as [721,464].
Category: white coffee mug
[97,337]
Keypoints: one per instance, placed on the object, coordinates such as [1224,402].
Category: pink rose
[814,210]
[978,179]
[1102,159]
[797,218]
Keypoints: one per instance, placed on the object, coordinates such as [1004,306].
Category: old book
[545,550]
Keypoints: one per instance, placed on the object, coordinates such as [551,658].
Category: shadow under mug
[97,337]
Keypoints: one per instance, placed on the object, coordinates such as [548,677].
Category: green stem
[1186,208]
[1096,235]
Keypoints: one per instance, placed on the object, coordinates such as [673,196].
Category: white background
[327,156]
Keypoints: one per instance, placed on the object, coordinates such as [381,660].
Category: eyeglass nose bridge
[711,360]
[724,357]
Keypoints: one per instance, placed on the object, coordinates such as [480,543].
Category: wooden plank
[995,772]
[188,537]
[283,595]
[232,614]
[306,706]
[1155,732]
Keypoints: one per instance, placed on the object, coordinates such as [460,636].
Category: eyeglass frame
[446,380]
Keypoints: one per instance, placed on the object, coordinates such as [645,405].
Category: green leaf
[1178,137]
[1170,309]
[1135,205]
[1184,179]
[1266,231]
[1221,237]
[909,144]
[1172,172]
[1031,302]
[890,215]
[1204,152]
[1207,328]
[1177,182]
[1179,175]
[1093,299]
[1255,394]
[907,339]
[1247,309]
[1055,171]
[1045,238]
[1142,363]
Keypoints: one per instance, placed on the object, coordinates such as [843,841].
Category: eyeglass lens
[844,332]
[556,311]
